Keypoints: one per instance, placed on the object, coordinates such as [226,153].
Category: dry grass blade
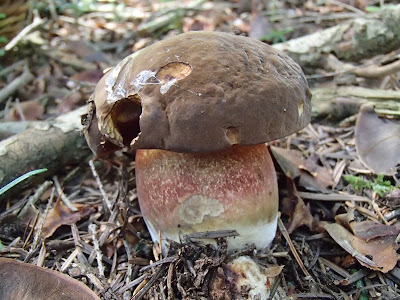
[160,272]
[333,197]
[285,233]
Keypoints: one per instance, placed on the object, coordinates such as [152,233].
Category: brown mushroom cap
[202,92]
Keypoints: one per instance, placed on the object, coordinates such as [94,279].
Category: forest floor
[338,177]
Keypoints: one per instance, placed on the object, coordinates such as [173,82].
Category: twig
[169,259]
[42,255]
[69,260]
[149,284]
[347,6]
[78,244]
[105,234]
[367,71]
[362,210]
[93,229]
[34,198]
[353,277]
[63,197]
[14,85]
[378,211]
[37,21]
[212,234]
[169,281]
[131,284]
[140,287]
[11,68]
[41,224]
[95,281]
[285,233]
[106,202]
[335,267]
[333,197]
[274,288]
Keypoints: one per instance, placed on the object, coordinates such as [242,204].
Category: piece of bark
[52,145]
[366,71]
[354,40]
[11,128]
[338,103]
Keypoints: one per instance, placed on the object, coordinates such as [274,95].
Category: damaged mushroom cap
[202,92]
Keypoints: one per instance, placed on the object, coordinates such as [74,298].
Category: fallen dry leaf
[273,271]
[346,219]
[367,229]
[378,254]
[61,215]
[24,281]
[312,176]
[31,110]
[301,214]
[377,141]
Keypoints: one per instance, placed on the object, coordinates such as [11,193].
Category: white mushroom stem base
[234,189]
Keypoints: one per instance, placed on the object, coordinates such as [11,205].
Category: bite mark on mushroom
[171,73]
[197,207]
[232,135]
[121,125]
[301,108]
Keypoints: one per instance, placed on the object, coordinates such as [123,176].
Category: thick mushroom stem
[234,189]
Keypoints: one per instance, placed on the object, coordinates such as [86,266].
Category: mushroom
[198,109]
[23,281]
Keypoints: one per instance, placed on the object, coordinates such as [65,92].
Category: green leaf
[356,181]
[372,9]
[379,185]
[20,179]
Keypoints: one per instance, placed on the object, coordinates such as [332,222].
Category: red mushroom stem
[233,189]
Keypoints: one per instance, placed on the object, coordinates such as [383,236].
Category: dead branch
[14,85]
[52,145]
[366,71]
[11,128]
[359,38]
[341,102]
[37,21]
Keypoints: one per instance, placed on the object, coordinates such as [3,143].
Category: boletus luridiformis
[199,108]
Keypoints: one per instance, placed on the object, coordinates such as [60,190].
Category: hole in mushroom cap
[232,135]
[300,108]
[171,73]
[125,116]
[174,70]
